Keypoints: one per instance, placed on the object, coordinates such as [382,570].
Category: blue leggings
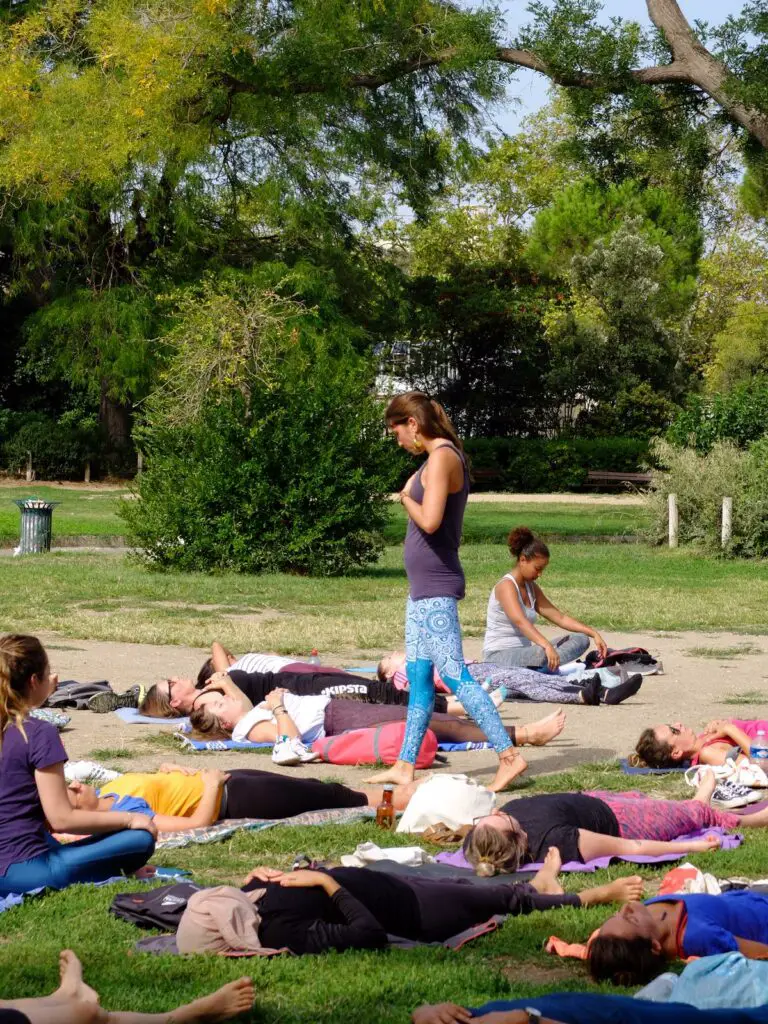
[88,860]
[433,639]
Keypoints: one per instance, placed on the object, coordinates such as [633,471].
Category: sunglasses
[674,730]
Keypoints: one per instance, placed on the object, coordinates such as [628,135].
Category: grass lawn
[81,512]
[380,987]
[619,587]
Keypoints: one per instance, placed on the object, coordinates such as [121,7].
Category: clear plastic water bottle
[314,657]
[758,750]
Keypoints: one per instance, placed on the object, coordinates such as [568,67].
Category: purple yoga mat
[730,840]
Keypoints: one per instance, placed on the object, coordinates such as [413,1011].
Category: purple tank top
[432,559]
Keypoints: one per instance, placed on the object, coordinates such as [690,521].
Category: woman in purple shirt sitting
[435,498]
[33,792]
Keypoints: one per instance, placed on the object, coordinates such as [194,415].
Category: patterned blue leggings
[433,638]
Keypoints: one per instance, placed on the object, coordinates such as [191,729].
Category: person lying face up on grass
[306,719]
[584,826]
[178,798]
[665,746]
[33,792]
[309,911]
[635,945]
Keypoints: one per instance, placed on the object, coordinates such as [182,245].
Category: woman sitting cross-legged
[297,721]
[584,826]
[178,798]
[309,911]
[33,793]
[664,746]
[74,1002]
[635,945]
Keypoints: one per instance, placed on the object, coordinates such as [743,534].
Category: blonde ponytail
[492,851]
[21,658]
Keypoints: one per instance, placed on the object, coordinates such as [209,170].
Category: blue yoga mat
[132,716]
[628,769]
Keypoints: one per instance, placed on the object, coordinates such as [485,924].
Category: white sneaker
[283,752]
[305,754]
[90,772]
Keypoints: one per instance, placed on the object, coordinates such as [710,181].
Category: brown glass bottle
[385,812]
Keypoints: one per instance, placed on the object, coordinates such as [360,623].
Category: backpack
[155,908]
[367,746]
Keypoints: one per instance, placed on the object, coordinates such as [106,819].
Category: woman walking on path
[511,637]
[435,498]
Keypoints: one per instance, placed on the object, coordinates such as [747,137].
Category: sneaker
[283,752]
[305,754]
[722,772]
[91,772]
[101,703]
[729,794]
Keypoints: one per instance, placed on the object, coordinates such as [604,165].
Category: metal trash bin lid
[35,503]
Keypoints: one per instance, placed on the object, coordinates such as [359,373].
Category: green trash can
[36,525]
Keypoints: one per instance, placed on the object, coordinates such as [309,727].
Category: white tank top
[500,632]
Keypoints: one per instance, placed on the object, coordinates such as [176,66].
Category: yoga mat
[132,716]
[197,746]
[628,769]
[730,841]
[362,670]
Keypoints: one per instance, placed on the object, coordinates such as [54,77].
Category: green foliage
[740,350]
[60,448]
[531,465]
[739,416]
[277,461]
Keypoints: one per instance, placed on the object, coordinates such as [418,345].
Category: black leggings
[256,686]
[251,793]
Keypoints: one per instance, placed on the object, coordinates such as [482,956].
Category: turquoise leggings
[433,640]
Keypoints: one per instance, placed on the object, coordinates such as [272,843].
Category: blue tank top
[432,559]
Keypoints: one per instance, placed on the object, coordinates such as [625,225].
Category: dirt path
[702,671]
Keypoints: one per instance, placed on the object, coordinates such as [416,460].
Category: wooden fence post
[727,523]
[30,472]
[674,521]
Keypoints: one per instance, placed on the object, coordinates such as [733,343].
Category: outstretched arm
[545,607]
[593,844]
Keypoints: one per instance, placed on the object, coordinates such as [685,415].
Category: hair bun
[485,869]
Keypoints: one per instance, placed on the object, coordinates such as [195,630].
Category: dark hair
[432,418]
[381,675]
[21,657]
[205,672]
[624,961]
[653,752]
[523,544]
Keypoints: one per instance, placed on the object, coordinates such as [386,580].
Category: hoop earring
[418,444]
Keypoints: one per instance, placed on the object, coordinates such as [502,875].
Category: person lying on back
[665,746]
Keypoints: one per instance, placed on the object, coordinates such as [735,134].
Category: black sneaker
[101,703]
[617,694]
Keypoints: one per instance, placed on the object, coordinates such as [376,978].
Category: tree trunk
[115,419]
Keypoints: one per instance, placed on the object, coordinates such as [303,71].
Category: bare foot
[228,1001]
[623,890]
[541,732]
[71,974]
[545,879]
[400,774]
[508,770]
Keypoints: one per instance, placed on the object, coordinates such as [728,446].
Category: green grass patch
[111,754]
[615,587]
[381,987]
[81,512]
[734,651]
[750,697]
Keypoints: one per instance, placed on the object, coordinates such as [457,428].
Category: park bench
[487,475]
[607,478]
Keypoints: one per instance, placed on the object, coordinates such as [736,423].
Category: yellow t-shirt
[166,792]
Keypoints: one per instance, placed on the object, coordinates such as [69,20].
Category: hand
[553,658]
[213,777]
[275,698]
[600,644]
[169,766]
[406,491]
[717,725]
[305,878]
[53,679]
[441,1013]
[219,681]
[142,823]
[706,845]
[263,874]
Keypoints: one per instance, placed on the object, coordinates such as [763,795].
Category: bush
[558,464]
[60,448]
[284,466]
[739,416]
